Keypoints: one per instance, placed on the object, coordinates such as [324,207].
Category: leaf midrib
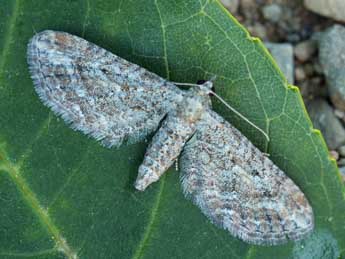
[29,196]
[13,170]
[139,252]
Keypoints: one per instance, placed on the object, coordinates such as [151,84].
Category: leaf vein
[29,254]
[165,55]
[8,37]
[247,67]
[44,128]
[73,173]
[31,199]
[87,14]
[147,234]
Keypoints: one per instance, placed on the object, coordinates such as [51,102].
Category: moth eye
[200,82]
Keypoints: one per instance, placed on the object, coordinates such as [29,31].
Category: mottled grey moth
[233,183]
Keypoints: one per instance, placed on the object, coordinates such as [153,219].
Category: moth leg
[164,149]
[176,164]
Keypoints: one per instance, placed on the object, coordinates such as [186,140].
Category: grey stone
[300,75]
[332,60]
[258,30]
[231,5]
[341,162]
[305,50]
[308,69]
[334,9]
[342,151]
[272,12]
[324,119]
[334,154]
[318,68]
[339,114]
[283,55]
[247,4]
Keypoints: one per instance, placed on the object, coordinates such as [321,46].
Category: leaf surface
[62,195]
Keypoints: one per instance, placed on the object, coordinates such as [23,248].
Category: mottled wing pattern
[96,91]
[239,188]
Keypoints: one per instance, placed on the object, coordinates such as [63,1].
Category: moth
[233,183]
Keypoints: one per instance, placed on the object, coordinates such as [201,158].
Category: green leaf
[63,195]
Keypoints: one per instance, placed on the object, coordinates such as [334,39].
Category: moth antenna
[186,84]
[240,115]
[191,84]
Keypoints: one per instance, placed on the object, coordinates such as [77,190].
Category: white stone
[334,9]
[305,50]
[231,5]
[272,12]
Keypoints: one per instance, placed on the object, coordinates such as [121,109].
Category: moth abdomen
[165,147]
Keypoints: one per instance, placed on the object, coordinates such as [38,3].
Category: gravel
[315,63]
[334,9]
[272,12]
[334,154]
[283,55]
[323,118]
[332,59]
[305,50]
[341,151]
[231,5]
[341,162]
[300,74]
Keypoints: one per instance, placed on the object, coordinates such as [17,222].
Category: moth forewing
[97,92]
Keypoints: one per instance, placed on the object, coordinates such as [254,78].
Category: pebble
[324,119]
[283,55]
[334,9]
[305,50]
[300,74]
[231,5]
[339,114]
[332,60]
[308,69]
[341,162]
[334,154]
[341,151]
[272,12]
[293,37]
[305,90]
[258,30]
[247,4]
[316,81]
[317,68]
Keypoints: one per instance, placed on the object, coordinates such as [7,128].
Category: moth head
[206,87]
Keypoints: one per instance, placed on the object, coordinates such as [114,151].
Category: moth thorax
[192,109]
